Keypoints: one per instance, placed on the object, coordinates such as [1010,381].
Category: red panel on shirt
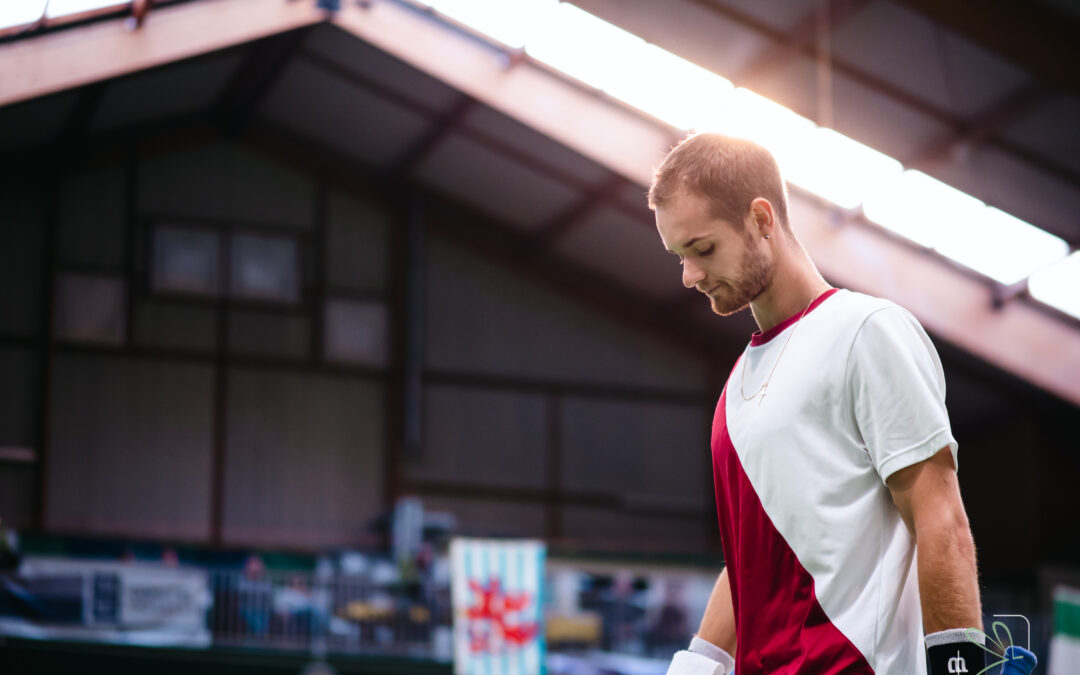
[780,627]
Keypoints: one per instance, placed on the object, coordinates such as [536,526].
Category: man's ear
[762,214]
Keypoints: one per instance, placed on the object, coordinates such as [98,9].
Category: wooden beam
[493,239]
[527,93]
[1033,35]
[433,137]
[856,73]
[1018,338]
[261,69]
[576,214]
[803,34]
[45,64]
[1014,106]
[451,122]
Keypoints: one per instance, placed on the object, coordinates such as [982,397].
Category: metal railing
[339,614]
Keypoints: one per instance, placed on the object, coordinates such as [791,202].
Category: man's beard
[754,277]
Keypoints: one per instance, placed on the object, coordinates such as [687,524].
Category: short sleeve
[897,391]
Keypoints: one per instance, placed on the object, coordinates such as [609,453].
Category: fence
[338,614]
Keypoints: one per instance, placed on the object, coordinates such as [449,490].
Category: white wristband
[953,636]
[689,663]
[700,645]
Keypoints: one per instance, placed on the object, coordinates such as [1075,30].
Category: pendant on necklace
[762,397]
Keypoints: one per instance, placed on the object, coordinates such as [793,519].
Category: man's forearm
[718,623]
[948,579]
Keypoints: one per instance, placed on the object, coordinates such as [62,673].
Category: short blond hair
[729,172]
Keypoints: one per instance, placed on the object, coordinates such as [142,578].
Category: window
[260,267]
[186,261]
[264,268]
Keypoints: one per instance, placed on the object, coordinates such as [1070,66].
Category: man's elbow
[945,528]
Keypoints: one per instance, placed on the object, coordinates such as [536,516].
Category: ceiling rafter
[443,128]
[1011,108]
[81,117]
[1032,35]
[492,238]
[65,59]
[578,212]
[914,101]
[261,69]
[482,138]
[803,35]
[858,256]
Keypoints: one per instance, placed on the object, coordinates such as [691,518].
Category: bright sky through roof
[674,90]
[921,208]
[1059,285]
[63,7]
[840,169]
[19,12]
[511,22]
[1003,247]
[819,160]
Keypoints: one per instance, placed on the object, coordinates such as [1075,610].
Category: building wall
[541,416]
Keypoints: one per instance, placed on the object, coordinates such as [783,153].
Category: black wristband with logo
[955,658]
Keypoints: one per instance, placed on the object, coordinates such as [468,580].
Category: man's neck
[795,284]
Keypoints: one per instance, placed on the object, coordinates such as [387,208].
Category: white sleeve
[897,390]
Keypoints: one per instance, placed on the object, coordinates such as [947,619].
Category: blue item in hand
[1018,661]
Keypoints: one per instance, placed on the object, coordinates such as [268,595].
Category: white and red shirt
[821,565]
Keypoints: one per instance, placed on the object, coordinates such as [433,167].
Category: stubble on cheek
[753,278]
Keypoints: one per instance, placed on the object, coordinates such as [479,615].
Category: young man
[846,543]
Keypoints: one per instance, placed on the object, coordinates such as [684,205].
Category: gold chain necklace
[765,385]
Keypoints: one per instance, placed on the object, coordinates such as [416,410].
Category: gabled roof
[558,165]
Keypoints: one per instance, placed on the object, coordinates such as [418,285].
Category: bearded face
[733,292]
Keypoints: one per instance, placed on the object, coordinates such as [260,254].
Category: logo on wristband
[957,664]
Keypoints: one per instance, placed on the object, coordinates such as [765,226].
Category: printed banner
[106,601]
[497,593]
[1065,643]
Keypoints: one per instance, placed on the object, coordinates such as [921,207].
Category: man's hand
[928,497]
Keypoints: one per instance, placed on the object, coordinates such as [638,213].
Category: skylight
[921,208]
[1057,285]
[958,226]
[819,160]
[748,115]
[23,12]
[687,96]
[840,169]
[510,22]
[20,12]
[64,7]
[1003,247]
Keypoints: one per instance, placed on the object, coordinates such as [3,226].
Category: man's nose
[691,273]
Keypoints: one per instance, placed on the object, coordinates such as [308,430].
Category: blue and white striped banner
[497,594]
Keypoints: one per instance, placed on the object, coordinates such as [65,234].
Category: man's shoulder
[852,307]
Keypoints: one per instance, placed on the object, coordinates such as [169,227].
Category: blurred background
[296,291]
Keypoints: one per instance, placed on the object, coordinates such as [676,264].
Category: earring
[767,236]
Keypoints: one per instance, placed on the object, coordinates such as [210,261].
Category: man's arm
[928,496]
[718,624]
